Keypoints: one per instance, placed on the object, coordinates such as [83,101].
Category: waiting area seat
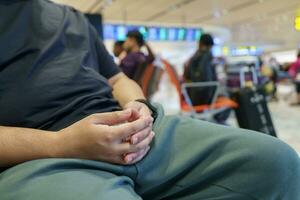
[204,111]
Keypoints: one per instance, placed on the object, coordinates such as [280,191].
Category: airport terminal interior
[150,99]
[264,33]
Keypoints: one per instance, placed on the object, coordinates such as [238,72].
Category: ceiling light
[297,23]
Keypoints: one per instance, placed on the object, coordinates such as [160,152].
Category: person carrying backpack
[200,69]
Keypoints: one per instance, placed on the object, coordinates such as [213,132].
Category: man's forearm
[18,145]
[126,90]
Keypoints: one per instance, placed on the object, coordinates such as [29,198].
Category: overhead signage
[152,33]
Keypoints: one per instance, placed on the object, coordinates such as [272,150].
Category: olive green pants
[189,159]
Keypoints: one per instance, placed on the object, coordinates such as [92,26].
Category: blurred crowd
[135,57]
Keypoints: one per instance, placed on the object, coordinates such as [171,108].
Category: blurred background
[263,35]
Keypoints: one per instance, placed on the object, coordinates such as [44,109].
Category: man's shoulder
[57,7]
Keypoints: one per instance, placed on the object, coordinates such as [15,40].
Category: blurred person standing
[294,72]
[269,71]
[118,48]
[199,68]
[118,51]
[135,58]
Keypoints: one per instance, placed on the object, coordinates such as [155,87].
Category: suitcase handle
[243,71]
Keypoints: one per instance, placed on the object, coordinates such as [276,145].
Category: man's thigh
[190,156]
[65,179]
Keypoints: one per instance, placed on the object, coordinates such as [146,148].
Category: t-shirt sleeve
[107,66]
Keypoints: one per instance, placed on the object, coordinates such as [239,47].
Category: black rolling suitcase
[253,112]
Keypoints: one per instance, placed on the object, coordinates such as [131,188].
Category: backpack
[200,69]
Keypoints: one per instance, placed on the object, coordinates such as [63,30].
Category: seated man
[73,129]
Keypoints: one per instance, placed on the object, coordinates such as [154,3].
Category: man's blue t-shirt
[53,66]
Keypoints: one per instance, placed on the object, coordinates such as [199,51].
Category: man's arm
[18,145]
[125,90]
[96,137]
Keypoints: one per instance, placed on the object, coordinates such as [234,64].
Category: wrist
[150,107]
[57,147]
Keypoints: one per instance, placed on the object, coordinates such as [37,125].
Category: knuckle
[108,137]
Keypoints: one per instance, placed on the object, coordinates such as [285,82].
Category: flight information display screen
[152,33]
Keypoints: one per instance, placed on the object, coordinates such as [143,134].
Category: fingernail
[153,134]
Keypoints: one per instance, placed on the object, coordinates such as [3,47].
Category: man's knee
[275,162]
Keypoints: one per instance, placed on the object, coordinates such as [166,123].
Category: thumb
[112,118]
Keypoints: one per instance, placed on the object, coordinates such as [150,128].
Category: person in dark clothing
[135,58]
[118,48]
[118,51]
[199,68]
[73,127]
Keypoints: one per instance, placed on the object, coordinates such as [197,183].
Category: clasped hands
[121,137]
